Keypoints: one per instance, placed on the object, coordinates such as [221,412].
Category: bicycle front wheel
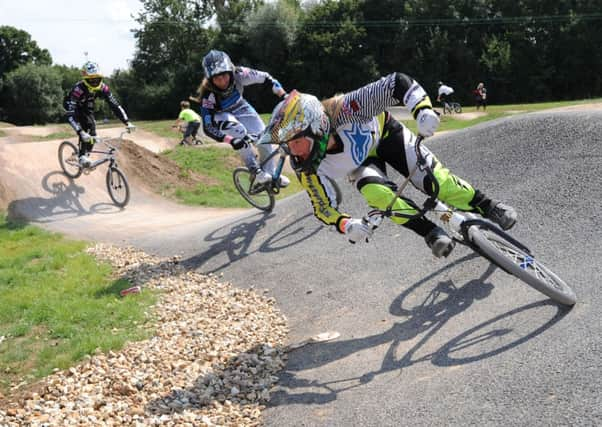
[118,187]
[521,264]
[256,194]
[69,159]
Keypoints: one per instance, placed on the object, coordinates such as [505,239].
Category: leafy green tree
[230,16]
[32,95]
[329,54]
[270,35]
[17,48]
[171,42]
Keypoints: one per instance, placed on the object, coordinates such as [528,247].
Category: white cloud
[68,28]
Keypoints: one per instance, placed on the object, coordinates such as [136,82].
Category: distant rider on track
[79,107]
[228,117]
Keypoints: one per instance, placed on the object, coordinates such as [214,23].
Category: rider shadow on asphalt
[436,309]
[243,238]
[64,201]
[428,316]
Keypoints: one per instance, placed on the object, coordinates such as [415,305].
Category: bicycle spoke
[527,263]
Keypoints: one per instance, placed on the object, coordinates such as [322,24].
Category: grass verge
[215,166]
[57,304]
[450,122]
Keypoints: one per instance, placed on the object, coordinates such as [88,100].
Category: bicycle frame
[283,152]
[109,155]
[458,223]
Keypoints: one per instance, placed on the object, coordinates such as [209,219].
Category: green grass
[216,165]
[449,122]
[57,304]
[2,133]
[163,128]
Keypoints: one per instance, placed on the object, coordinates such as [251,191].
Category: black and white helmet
[217,62]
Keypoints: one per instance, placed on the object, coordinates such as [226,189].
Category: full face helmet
[301,115]
[92,76]
[218,62]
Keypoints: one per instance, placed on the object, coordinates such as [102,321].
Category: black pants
[88,124]
[191,129]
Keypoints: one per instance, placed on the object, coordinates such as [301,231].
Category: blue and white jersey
[358,123]
[358,140]
[214,102]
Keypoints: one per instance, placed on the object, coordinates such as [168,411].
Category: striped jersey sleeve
[368,101]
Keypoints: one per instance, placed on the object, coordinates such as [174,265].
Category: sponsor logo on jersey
[360,142]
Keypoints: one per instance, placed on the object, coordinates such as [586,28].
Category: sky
[68,28]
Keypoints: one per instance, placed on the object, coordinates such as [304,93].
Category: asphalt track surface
[425,341]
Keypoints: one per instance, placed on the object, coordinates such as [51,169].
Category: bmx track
[35,189]
[423,341]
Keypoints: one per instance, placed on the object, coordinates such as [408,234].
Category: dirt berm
[33,187]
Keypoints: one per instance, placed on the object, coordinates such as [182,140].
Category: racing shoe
[284,181]
[262,177]
[502,214]
[439,242]
[84,161]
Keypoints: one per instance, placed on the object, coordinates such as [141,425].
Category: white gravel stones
[212,360]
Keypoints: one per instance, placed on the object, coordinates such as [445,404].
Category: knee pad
[234,129]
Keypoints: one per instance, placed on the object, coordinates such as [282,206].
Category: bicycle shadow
[436,309]
[238,240]
[64,201]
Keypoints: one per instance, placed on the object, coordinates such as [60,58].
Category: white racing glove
[130,127]
[428,122]
[357,230]
[85,136]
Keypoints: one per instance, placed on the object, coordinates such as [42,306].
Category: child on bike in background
[444,94]
[228,117]
[353,135]
[79,108]
[192,121]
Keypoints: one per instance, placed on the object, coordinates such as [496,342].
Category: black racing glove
[239,143]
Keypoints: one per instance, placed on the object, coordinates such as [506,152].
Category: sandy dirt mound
[158,173]
[34,188]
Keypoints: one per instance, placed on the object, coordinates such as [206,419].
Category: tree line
[527,51]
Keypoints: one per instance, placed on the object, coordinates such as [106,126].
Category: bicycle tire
[69,159]
[261,198]
[521,264]
[116,180]
[457,108]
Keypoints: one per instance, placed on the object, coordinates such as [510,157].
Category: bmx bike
[117,184]
[451,107]
[182,129]
[483,237]
[263,196]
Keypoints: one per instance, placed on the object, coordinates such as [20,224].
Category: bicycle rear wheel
[69,159]
[118,187]
[256,194]
[521,264]
[457,108]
